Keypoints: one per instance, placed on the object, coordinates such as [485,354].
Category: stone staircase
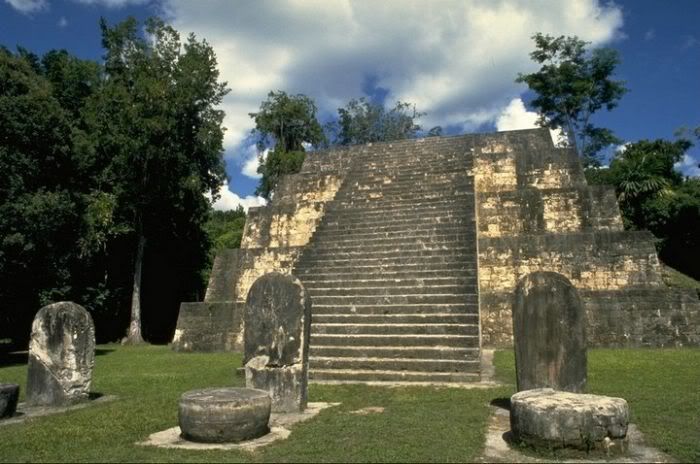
[392,268]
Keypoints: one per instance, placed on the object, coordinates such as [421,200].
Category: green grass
[418,424]
[674,278]
[662,387]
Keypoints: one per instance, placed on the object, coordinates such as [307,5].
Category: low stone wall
[632,317]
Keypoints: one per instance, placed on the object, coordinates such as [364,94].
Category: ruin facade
[412,250]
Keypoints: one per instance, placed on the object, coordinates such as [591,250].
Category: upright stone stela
[549,334]
[412,250]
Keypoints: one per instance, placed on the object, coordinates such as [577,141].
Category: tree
[158,134]
[361,121]
[571,85]
[655,197]
[286,123]
[39,210]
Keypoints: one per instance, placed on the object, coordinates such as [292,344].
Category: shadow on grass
[502,403]
[16,358]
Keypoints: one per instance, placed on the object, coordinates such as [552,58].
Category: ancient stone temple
[412,250]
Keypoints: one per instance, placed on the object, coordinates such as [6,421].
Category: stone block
[61,355]
[549,333]
[9,394]
[545,418]
[208,327]
[277,327]
[224,415]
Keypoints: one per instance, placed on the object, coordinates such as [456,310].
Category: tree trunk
[134,334]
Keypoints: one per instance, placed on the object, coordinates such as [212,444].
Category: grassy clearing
[418,424]
[662,387]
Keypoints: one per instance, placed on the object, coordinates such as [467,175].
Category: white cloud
[112,3]
[621,148]
[229,200]
[650,35]
[28,6]
[515,116]
[455,59]
[252,161]
[62,22]
[688,166]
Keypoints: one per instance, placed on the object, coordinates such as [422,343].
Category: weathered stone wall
[536,213]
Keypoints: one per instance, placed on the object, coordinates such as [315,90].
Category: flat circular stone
[224,415]
[9,394]
[556,419]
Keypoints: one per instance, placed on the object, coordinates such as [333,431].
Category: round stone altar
[224,415]
[9,393]
[546,418]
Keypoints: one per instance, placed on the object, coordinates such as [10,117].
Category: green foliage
[274,166]
[287,121]
[361,121]
[94,156]
[225,229]
[571,85]
[654,196]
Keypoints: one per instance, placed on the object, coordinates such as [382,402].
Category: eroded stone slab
[61,355]
[224,415]
[277,326]
[549,333]
[9,394]
[545,418]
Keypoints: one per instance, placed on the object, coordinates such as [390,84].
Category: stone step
[463,341]
[351,308]
[393,329]
[402,282]
[357,214]
[387,261]
[397,364]
[427,247]
[342,241]
[385,290]
[387,184]
[378,225]
[437,298]
[411,352]
[356,270]
[452,272]
[407,230]
[389,196]
[379,203]
[364,375]
[398,318]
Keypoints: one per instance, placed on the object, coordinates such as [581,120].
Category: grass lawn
[418,424]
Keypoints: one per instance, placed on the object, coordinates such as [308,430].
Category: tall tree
[158,132]
[571,85]
[362,121]
[284,124]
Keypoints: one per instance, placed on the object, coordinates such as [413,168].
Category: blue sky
[455,59]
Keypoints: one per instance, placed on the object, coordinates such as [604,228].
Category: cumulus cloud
[28,6]
[252,161]
[229,200]
[688,166]
[515,116]
[455,59]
